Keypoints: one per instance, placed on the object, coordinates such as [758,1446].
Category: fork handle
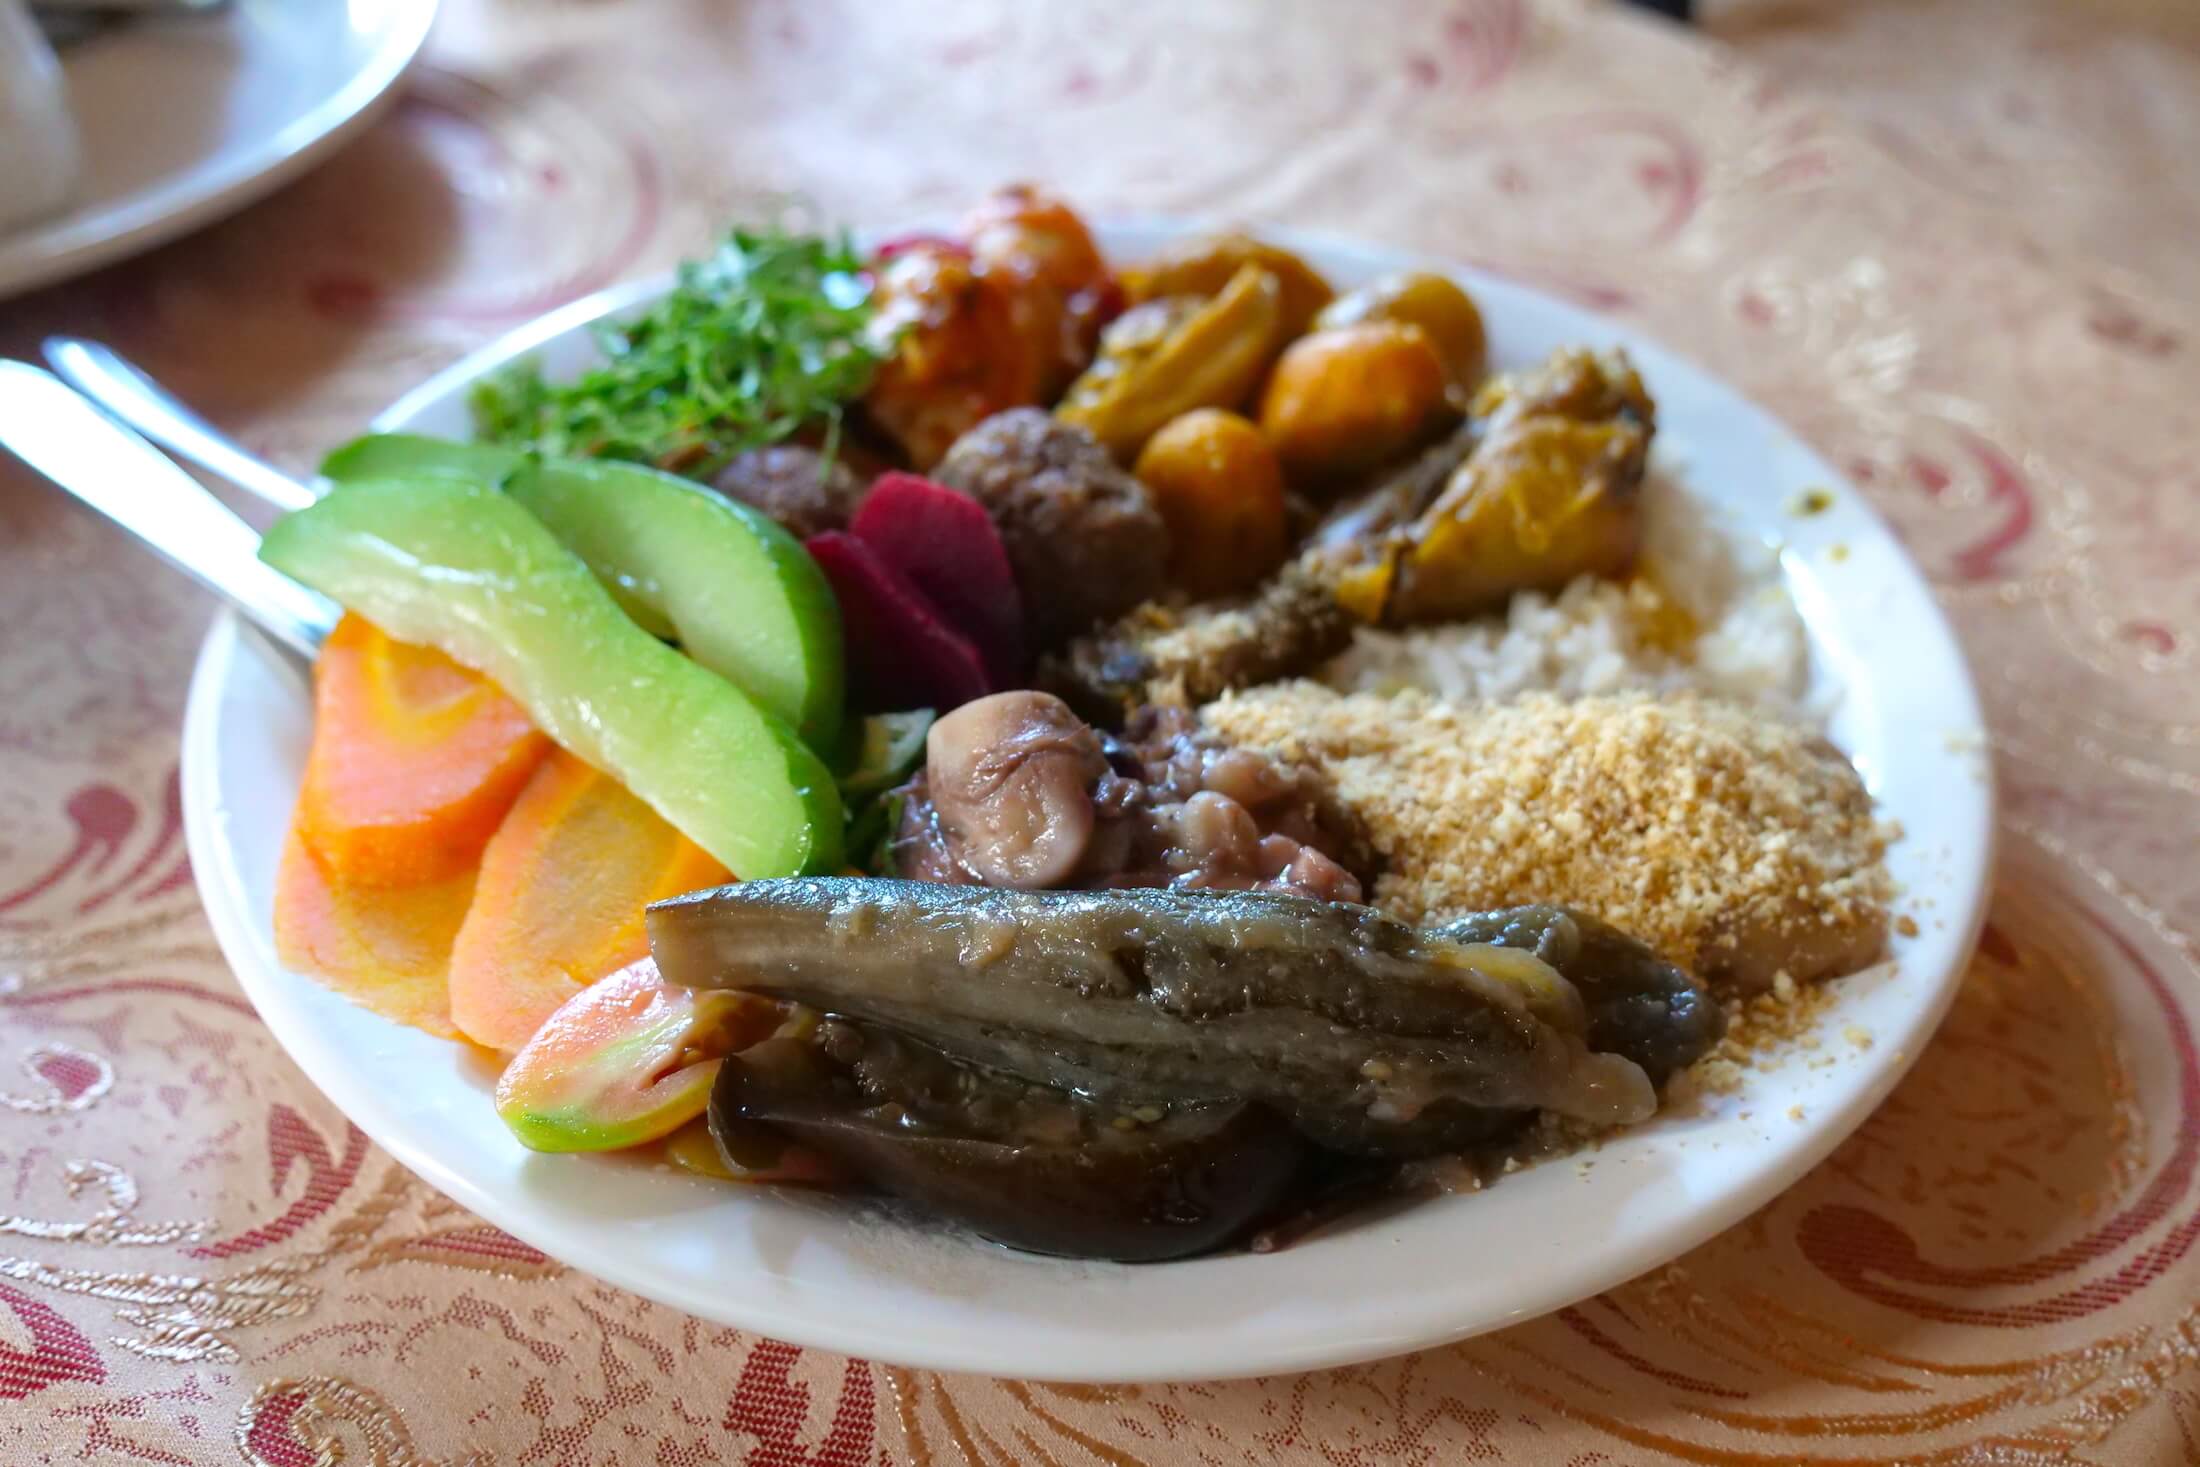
[58,432]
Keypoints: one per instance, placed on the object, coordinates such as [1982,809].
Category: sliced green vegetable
[887,750]
[416,455]
[464,568]
[626,1060]
[739,593]
[744,598]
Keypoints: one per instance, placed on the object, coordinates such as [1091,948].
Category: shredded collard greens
[766,336]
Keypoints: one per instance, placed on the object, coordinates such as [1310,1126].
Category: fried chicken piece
[1550,490]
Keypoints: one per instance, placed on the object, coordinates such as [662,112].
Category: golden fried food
[1203,266]
[1551,491]
[1217,484]
[961,353]
[1435,303]
[1344,401]
[1166,357]
[1062,288]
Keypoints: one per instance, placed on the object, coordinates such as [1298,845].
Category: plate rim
[50,251]
[903,1345]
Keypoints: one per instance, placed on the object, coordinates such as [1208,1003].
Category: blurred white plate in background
[186,118]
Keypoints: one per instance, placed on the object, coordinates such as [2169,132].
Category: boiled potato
[1217,484]
[1435,303]
[1346,400]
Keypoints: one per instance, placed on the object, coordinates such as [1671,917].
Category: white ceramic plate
[840,1275]
[184,119]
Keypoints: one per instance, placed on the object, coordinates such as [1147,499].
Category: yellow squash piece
[1167,357]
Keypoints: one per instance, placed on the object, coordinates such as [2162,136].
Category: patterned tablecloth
[1947,242]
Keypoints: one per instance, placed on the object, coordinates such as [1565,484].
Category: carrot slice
[387,948]
[415,760]
[559,903]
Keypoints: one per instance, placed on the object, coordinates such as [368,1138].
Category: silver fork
[60,433]
[110,379]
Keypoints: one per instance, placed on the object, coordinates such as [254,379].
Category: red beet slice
[947,546]
[901,652]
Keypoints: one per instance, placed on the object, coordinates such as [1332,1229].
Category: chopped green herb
[763,338]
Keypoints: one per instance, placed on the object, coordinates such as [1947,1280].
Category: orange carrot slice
[415,760]
[559,903]
[387,948]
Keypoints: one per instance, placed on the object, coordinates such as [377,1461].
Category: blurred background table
[1949,240]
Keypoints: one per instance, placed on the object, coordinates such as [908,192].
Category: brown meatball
[794,485]
[1082,535]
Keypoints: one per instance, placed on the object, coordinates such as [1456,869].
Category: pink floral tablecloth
[1951,243]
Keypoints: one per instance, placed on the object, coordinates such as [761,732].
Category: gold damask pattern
[201,1262]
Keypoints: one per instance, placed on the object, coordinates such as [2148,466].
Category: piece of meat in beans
[1017,792]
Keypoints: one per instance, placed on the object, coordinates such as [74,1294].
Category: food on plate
[1371,1037]
[1432,303]
[947,546]
[38,141]
[1006,793]
[731,586]
[413,764]
[955,348]
[1204,265]
[1000,316]
[798,488]
[1550,491]
[1082,534]
[1192,654]
[630,1059]
[1017,791]
[385,947]
[1739,845]
[1170,355]
[466,569]
[1350,398]
[558,902]
[903,650]
[1286,763]
[1062,290]
[773,334]
[1045,1170]
[1217,485]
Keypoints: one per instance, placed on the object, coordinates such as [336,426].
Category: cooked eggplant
[1033,1168]
[1371,1036]
[1637,1004]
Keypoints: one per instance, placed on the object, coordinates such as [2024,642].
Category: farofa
[1738,846]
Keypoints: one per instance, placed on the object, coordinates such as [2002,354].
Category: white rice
[1591,637]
